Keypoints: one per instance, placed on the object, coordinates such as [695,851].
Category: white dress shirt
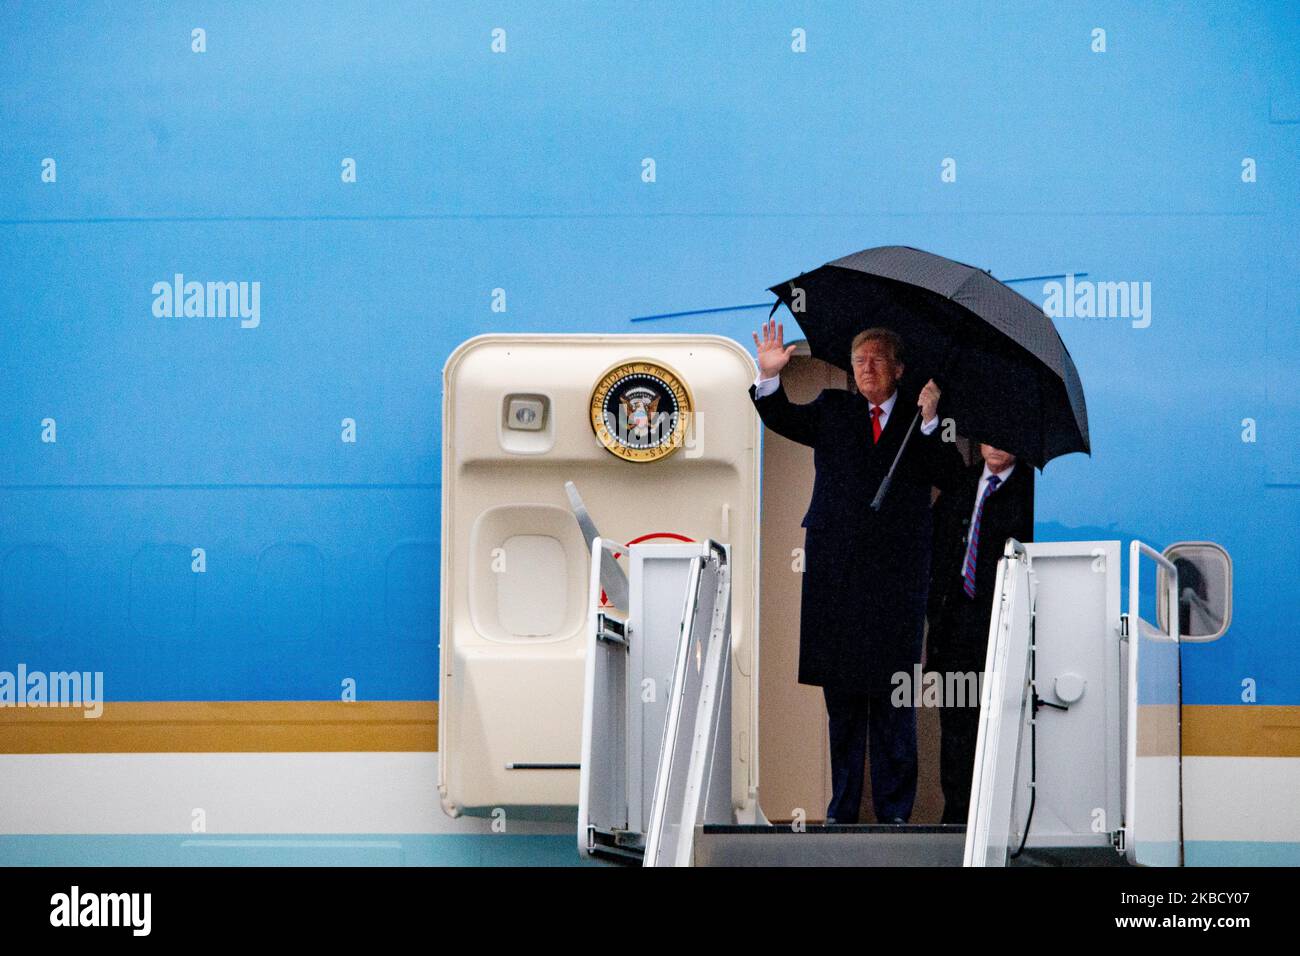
[766,386]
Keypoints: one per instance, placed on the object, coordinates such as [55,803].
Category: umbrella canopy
[1006,376]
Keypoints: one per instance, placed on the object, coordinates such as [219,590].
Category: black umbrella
[1006,376]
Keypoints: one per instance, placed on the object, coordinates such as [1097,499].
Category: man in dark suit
[993,501]
[862,607]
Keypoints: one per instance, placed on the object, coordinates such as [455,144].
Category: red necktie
[875,424]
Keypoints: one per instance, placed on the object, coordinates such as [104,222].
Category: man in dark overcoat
[993,501]
[866,573]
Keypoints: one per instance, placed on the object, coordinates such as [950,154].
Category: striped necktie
[972,545]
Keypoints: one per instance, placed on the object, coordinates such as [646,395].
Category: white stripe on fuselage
[1241,798]
[237,793]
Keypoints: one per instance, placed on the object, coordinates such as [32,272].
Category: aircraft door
[1153,741]
[546,438]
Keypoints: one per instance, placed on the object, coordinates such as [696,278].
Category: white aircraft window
[525,569]
[532,586]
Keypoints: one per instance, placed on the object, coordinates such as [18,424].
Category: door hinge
[611,631]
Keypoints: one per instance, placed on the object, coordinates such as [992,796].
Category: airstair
[1078,757]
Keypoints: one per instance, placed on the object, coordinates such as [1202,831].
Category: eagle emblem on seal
[640,411]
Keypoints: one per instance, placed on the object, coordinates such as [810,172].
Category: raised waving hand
[772,352]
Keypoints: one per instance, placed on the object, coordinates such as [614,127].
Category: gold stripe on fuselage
[412,725]
[1241,730]
[223,727]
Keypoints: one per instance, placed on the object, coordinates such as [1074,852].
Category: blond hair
[880,334]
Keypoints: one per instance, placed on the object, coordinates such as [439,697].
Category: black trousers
[959,729]
[961,650]
[857,718]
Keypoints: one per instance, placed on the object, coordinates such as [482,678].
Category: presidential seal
[639,411]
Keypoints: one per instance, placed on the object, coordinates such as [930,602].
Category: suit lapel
[862,409]
[895,425]
[891,436]
[1008,483]
[1003,502]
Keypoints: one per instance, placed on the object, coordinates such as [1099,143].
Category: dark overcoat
[866,573]
[1008,513]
